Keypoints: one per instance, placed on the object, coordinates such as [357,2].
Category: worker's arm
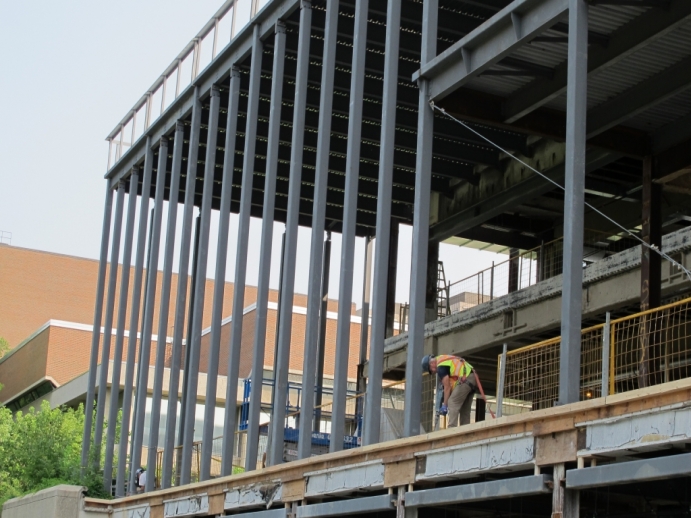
[446,383]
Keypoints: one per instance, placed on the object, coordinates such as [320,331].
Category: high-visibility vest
[458,367]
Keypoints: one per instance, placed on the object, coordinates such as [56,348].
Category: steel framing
[317,151]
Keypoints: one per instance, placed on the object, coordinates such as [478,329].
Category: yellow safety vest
[458,367]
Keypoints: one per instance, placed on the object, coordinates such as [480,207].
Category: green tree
[40,449]
[4,347]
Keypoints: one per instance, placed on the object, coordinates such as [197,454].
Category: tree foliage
[40,449]
[4,347]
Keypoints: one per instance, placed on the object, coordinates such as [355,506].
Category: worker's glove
[443,410]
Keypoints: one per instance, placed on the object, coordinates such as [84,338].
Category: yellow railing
[645,349]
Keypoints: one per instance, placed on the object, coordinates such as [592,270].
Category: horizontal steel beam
[506,488]
[518,195]
[271,513]
[628,39]
[630,472]
[370,504]
[510,28]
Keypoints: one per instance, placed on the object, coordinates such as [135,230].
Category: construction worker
[458,380]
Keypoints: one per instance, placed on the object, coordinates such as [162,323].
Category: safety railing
[228,21]
[523,270]
[636,351]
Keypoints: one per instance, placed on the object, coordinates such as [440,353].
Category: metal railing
[228,21]
[523,270]
[637,351]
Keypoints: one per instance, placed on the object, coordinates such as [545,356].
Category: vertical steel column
[275,455]
[134,320]
[163,313]
[96,336]
[352,173]
[181,298]
[418,277]
[572,293]
[364,331]
[391,275]
[318,224]
[147,328]
[265,250]
[383,230]
[120,335]
[321,349]
[220,275]
[241,254]
[108,323]
[200,286]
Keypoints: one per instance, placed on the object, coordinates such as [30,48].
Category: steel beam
[352,174]
[639,98]
[108,323]
[574,184]
[134,325]
[220,280]
[96,336]
[275,454]
[200,288]
[418,272]
[495,39]
[647,28]
[383,232]
[527,190]
[120,334]
[318,224]
[259,344]
[669,466]
[108,327]
[369,504]
[672,134]
[241,257]
[181,297]
[147,328]
[164,308]
[479,491]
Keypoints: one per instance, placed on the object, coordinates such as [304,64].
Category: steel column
[275,455]
[163,312]
[96,336]
[321,349]
[108,323]
[230,421]
[220,276]
[134,321]
[383,230]
[390,279]
[120,335]
[352,174]
[318,225]
[364,330]
[259,344]
[181,297]
[418,277]
[200,286]
[604,391]
[147,328]
[572,292]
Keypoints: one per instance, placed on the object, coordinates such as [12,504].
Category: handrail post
[502,381]
[605,355]
[491,283]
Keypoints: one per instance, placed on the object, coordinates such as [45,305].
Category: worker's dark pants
[460,401]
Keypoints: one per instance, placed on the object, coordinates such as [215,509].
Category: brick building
[46,312]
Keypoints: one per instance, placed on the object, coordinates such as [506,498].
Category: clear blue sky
[70,71]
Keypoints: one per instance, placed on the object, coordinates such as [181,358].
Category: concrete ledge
[56,502]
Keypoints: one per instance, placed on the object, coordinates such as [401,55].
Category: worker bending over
[458,380]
